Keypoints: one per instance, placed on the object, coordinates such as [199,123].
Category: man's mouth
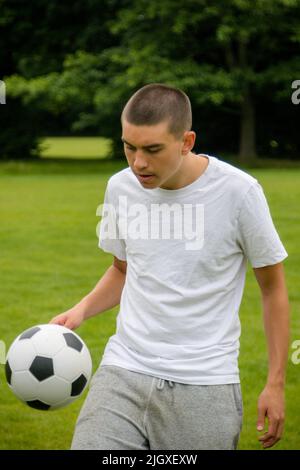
[144,177]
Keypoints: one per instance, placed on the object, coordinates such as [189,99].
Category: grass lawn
[75,147]
[49,260]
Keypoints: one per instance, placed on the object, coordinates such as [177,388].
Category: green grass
[75,147]
[49,260]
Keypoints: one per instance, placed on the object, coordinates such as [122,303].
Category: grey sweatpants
[129,410]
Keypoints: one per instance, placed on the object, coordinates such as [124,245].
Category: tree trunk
[247,152]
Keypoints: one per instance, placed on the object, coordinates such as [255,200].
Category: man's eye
[148,150]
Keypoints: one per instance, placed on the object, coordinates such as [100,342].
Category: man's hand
[72,318]
[271,406]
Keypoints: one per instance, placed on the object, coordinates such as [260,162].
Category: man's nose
[140,161]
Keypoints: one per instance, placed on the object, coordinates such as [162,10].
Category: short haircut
[156,103]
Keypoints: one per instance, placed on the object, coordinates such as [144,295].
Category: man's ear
[189,138]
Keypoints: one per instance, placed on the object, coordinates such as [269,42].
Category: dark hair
[156,103]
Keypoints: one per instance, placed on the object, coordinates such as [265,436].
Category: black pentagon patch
[39,405]
[78,385]
[73,342]
[8,372]
[42,368]
[29,333]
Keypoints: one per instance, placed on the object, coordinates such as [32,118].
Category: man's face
[152,150]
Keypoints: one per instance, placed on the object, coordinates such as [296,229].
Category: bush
[20,128]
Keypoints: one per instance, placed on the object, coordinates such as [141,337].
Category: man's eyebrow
[145,146]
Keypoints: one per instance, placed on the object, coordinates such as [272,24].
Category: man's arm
[107,292]
[105,295]
[275,304]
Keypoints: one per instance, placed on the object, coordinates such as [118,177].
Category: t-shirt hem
[113,251]
[212,380]
[269,262]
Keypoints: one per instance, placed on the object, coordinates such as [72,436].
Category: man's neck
[194,168]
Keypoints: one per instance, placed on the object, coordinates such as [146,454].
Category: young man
[169,377]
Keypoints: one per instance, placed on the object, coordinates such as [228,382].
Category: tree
[224,53]
[36,41]
[232,56]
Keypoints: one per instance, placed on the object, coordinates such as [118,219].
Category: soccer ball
[48,367]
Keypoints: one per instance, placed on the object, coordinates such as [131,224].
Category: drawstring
[161,383]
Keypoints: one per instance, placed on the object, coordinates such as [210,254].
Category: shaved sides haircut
[156,103]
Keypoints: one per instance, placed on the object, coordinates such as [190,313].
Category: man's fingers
[273,440]
[70,324]
[280,429]
[261,418]
[266,437]
[270,408]
[59,320]
[273,433]
[270,443]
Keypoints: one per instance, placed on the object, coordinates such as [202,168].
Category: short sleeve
[109,239]
[256,233]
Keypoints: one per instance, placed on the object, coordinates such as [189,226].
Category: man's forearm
[276,323]
[105,295]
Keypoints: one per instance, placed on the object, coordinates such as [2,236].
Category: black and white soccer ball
[48,367]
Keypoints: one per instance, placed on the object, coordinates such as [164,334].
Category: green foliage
[19,131]
[36,41]
[218,53]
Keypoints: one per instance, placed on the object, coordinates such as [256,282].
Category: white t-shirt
[179,309]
